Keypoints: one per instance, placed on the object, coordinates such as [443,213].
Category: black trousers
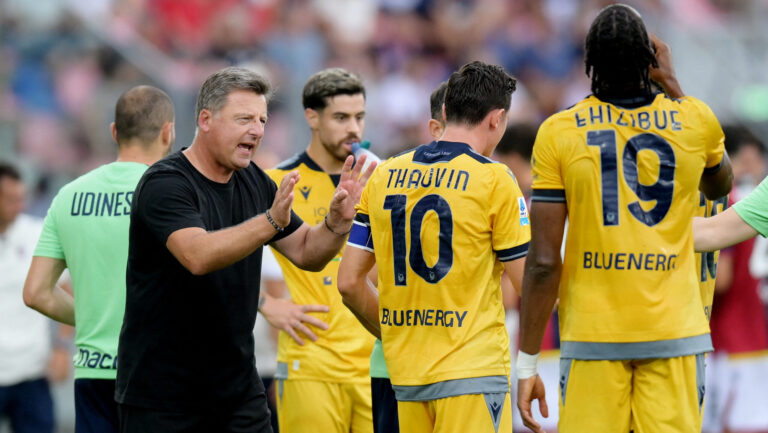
[251,416]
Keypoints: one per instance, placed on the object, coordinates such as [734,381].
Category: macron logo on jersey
[305,190]
[523,211]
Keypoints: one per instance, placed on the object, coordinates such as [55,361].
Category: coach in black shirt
[198,222]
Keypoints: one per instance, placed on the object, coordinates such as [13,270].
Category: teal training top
[378,364]
[753,208]
[87,227]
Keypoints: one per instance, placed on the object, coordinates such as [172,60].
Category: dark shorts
[28,405]
[384,406]
[270,385]
[250,417]
[95,406]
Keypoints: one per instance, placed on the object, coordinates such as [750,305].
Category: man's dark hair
[618,53]
[213,94]
[141,113]
[738,137]
[475,90]
[436,101]
[9,170]
[518,139]
[327,84]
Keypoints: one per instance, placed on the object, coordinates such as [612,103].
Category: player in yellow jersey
[324,386]
[706,262]
[385,419]
[625,165]
[442,222]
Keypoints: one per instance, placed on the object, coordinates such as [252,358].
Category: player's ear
[436,129]
[313,117]
[113,131]
[168,133]
[497,117]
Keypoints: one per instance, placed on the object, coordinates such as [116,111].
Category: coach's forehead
[240,100]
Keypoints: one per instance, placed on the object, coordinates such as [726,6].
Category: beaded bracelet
[274,224]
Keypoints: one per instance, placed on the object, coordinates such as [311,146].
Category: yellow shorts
[649,396]
[308,406]
[481,413]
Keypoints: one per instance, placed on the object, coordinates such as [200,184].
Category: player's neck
[327,162]
[472,136]
[138,152]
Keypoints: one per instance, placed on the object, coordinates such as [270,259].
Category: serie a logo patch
[523,211]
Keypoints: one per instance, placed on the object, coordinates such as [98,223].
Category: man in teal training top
[745,219]
[86,230]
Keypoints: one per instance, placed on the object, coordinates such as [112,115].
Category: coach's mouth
[247,147]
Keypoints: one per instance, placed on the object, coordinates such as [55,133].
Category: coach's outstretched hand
[286,316]
[347,195]
[528,390]
[281,207]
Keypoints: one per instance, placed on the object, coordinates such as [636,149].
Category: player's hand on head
[528,390]
[281,207]
[293,318]
[347,195]
[665,71]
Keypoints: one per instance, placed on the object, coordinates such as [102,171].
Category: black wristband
[274,224]
[328,226]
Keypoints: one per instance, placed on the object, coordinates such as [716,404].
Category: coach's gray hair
[213,93]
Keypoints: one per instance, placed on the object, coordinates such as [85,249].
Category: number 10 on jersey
[435,203]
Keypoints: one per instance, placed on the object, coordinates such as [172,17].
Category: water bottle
[359,149]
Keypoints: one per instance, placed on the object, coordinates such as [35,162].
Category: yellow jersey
[629,173]
[442,218]
[342,353]
[706,262]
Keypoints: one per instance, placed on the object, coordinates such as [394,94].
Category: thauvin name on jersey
[95,359]
[628,261]
[606,114]
[101,203]
[423,317]
[449,178]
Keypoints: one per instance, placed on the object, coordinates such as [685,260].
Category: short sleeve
[164,203]
[714,139]
[49,243]
[294,225]
[510,224]
[360,236]
[753,208]
[548,183]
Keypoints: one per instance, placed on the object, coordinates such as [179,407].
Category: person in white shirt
[25,335]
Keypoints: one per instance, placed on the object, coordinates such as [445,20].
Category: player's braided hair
[618,53]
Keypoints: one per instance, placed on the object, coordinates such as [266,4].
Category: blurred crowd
[65,62]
